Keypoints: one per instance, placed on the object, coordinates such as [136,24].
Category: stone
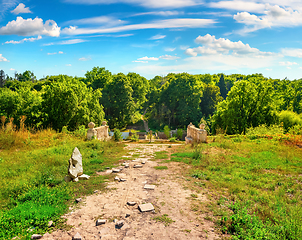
[131,203]
[78,200]
[77,236]
[91,132]
[96,191]
[116,170]
[127,215]
[126,166]
[116,178]
[36,236]
[100,222]
[149,187]
[144,161]
[146,207]
[84,177]
[50,223]
[75,168]
[119,224]
[67,179]
[137,166]
[123,180]
[75,179]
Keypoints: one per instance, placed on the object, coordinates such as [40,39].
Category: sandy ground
[170,197]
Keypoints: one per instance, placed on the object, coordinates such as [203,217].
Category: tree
[98,77]
[222,86]
[118,102]
[26,76]
[211,97]
[248,105]
[69,102]
[2,78]
[140,87]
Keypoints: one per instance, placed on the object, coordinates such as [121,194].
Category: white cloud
[66,42]
[140,61]
[177,23]
[292,52]
[274,16]
[169,49]
[60,52]
[3,59]
[160,13]
[21,9]
[26,27]
[169,57]
[183,47]
[148,59]
[5,5]
[12,69]
[107,21]
[24,40]
[239,6]
[213,46]
[52,53]
[144,3]
[157,37]
[68,65]
[287,63]
[84,59]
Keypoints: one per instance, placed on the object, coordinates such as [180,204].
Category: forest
[228,104]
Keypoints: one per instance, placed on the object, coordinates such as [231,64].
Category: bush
[179,134]
[289,119]
[172,139]
[117,135]
[167,131]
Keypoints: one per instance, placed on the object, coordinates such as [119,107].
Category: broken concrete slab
[77,236]
[147,207]
[137,166]
[100,222]
[149,187]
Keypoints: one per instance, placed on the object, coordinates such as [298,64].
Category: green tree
[26,76]
[140,87]
[69,102]
[2,78]
[211,97]
[98,77]
[118,102]
[248,105]
[222,86]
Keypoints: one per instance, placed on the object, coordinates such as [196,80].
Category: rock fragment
[137,166]
[116,178]
[78,200]
[116,170]
[119,224]
[77,236]
[100,222]
[84,177]
[50,223]
[36,236]
[75,167]
[123,180]
[149,187]
[131,203]
[146,207]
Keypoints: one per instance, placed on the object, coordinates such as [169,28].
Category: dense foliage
[227,103]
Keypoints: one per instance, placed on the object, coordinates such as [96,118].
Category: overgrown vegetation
[255,183]
[33,166]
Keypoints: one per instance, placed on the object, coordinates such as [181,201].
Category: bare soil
[171,197]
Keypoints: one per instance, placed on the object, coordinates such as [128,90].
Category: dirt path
[170,198]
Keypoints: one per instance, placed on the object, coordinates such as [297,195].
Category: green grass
[161,155]
[161,167]
[164,219]
[261,180]
[33,190]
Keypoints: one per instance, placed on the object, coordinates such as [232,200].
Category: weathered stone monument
[195,134]
[75,168]
[100,133]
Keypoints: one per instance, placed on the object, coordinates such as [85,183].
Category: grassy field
[254,185]
[33,166]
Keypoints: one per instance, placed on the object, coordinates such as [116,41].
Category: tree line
[229,103]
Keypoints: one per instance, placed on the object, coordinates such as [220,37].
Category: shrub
[167,131]
[117,135]
[172,139]
[289,119]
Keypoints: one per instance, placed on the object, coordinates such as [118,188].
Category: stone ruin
[100,133]
[75,168]
[195,134]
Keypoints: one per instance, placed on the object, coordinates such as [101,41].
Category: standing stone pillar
[91,133]
[202,133]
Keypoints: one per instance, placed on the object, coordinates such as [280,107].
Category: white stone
[50,223]
[123,180]
[116,170]
[77,236]
[137,166]
[131,203]
[78,200]
[146,207]
[116,178]
[119,224]
[75,168]
[36,236]
[75,179]
[84,177]
[149,187]
[100,222]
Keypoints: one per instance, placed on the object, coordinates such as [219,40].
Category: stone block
[77,236]
[36,236]
[149,187]
[146,207]
[100,222]
[84,177]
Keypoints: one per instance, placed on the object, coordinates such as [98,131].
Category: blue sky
[152,37]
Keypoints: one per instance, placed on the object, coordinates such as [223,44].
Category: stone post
[91,133]
[203,133]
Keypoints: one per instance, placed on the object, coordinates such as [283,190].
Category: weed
[164,219]
[161,167]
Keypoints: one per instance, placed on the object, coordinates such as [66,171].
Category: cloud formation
[176,23]
[30,27]
[213,46]
[84,59]
[3,59]
[148,59]
[239,6]
[292,52]
[169,57]
[21,9]
[24,40]
[144,3]
[157,37]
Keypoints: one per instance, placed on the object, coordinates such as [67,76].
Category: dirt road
[172,218]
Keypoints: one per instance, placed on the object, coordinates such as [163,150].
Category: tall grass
[33,165]
[259,180]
